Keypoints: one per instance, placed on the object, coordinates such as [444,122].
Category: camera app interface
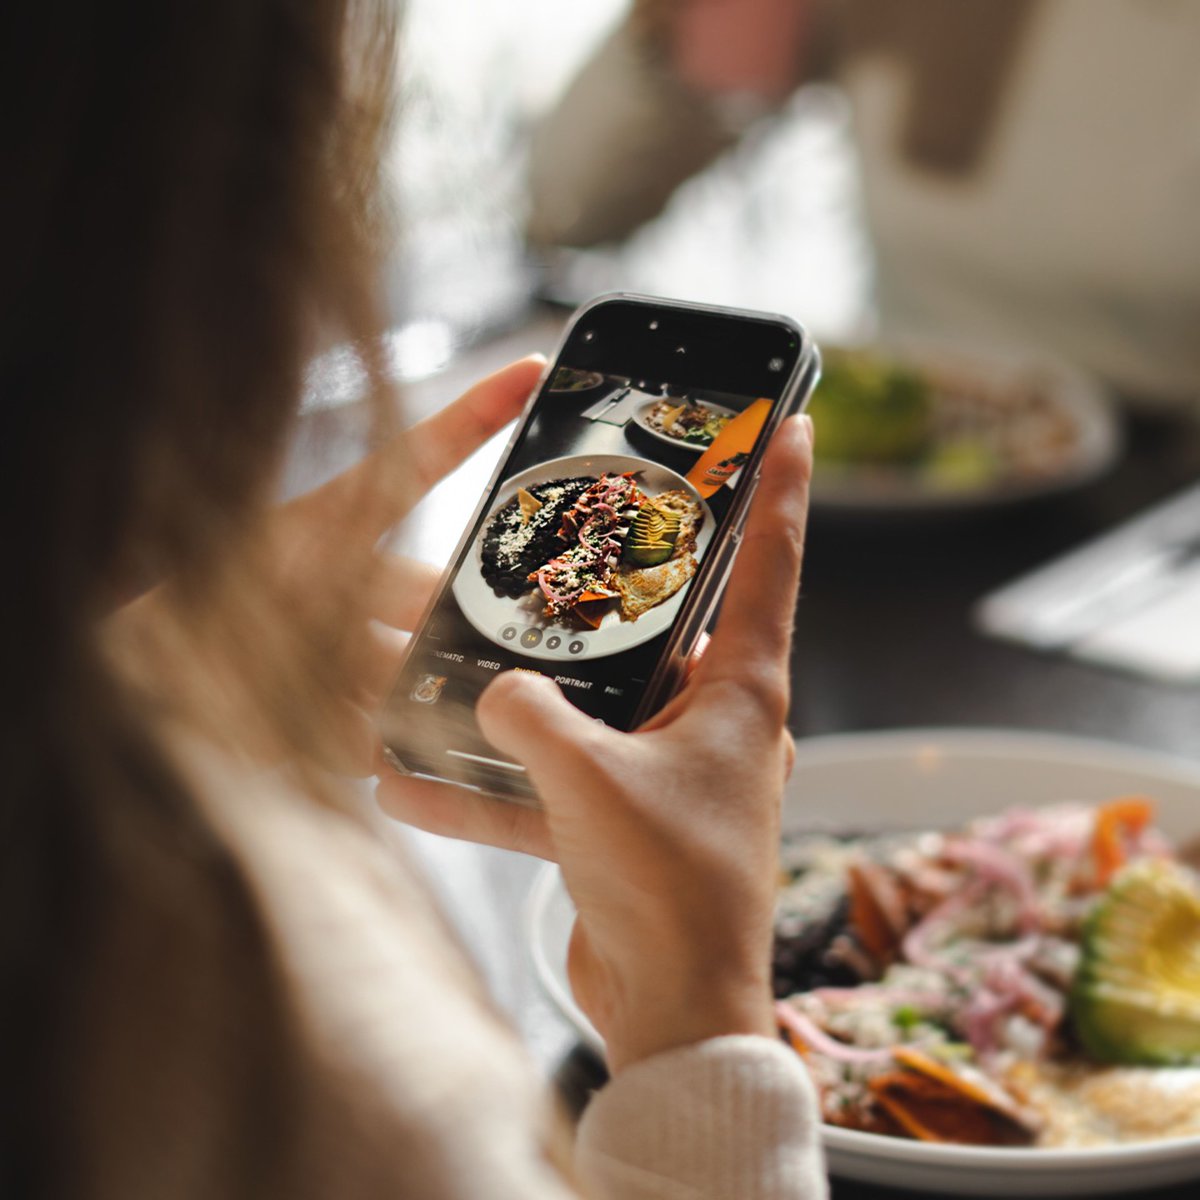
[584,554]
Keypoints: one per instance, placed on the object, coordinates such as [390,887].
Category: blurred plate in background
[924,428]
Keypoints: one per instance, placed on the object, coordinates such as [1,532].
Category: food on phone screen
[1006,983]
[592,546]
[652,536]
[689,421]
[518,541]
[569,379]
[578,581]
[684,506]
[429,689]
[528,504]
[642,589]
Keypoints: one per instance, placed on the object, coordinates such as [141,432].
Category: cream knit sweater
[403,1080]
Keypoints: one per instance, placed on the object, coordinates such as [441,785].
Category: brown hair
[190,211]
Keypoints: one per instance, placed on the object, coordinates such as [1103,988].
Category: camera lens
[653,324]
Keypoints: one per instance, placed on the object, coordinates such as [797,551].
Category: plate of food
[571,379]
[928,428]
[678,421]
[987,955]
[584,556]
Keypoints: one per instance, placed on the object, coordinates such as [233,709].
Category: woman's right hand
[667,837]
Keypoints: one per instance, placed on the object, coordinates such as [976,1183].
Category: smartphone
[601,545]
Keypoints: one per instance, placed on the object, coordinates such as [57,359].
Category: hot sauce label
[731,448]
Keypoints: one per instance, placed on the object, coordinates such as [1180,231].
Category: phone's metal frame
[700,602]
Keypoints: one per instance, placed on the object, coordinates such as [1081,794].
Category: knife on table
[597,411]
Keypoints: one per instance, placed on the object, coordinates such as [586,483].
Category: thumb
[525,715]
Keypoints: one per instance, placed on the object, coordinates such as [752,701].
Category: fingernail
[807,424]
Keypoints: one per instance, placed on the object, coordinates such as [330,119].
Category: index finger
[753,636]
[385,486]
[432,448]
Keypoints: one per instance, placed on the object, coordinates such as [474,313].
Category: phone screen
[605,516]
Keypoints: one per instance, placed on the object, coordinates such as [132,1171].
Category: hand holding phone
[601,546]
[667,836]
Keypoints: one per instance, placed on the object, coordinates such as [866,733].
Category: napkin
[1129,599]
[619,408]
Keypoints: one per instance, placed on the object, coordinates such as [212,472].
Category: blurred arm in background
[1030,171]
[669,91]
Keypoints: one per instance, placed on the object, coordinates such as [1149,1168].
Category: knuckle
[789,536]
[517,830]
[783,541]
[761,689]
[588,760]
[596,759]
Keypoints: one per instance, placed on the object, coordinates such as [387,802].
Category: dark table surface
[884,637]
[883,641]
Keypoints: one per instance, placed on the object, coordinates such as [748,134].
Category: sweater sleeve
[734,1118]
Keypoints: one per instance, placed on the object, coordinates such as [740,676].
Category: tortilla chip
[529,504]
[932,1111]
[592,607]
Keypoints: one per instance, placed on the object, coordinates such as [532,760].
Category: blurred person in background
[217,981]
[1031,168]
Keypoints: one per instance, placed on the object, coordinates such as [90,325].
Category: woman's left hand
[341,525]
[360,506]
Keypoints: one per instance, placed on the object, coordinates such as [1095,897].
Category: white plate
[931,778]
[558,641]
[866,489]
[584,382]
[642,414]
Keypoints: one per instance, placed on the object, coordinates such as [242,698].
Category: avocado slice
[652,536]
[1136,994]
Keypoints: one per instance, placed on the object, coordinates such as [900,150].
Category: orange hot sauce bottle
[730,449]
